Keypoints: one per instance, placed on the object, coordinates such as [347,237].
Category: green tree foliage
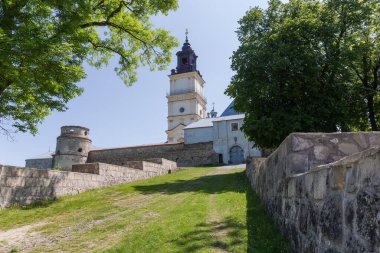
[362,50]
[294,69]
[43,44]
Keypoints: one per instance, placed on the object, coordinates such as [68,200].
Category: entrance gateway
[236,155]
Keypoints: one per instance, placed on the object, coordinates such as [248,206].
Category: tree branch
[357,72]
[110,49]
[111,24]
[116,11]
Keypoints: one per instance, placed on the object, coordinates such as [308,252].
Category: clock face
[181,110]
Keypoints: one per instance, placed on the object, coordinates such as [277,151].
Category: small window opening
[184,60]
[80,149]
[234,126]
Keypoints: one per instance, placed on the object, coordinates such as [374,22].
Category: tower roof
[186,59]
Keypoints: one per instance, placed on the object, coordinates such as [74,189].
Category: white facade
[228,140]
[186,103]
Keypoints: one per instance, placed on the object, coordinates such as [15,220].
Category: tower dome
[72,147]
[186,59]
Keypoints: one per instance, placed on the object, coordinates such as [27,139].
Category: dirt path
[31,237]
[219,231]
[24,236]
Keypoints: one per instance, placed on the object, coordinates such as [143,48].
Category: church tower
[186,102]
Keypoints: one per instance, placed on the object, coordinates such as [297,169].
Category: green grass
[194,210]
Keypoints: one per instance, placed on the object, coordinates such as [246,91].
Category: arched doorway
[236,155]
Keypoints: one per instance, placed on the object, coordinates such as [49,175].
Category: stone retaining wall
[333,207]
[20,186]
[184,155]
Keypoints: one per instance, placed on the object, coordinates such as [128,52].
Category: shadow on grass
[36,205]
[223,236]
[263,236]
[206,184]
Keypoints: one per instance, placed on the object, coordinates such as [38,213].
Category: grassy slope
[195,210]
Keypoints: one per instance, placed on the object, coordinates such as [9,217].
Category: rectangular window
[235,126]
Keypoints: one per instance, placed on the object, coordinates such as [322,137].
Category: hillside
[194,210]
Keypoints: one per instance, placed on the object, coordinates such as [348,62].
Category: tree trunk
[371,112]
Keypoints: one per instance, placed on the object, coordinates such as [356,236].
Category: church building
[188,120]
[186,102]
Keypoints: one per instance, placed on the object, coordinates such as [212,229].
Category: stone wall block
[374,140]
[320,184]
[331,221]
[369,173]
[14,181]
[353,244]
[309,182]
[368,217]
[361,140]
[300,187]
[299,143]
[297,163]
[321,152]
[349,206]
[348,148]
[351,179]
[337,178]
[303,218]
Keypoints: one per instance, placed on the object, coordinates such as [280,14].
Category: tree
[291,72]
[362,50]
[43,44]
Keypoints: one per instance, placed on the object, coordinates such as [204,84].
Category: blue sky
[124,116]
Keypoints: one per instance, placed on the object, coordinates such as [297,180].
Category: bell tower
[186,102]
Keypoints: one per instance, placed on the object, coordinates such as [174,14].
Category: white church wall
[198,87]
[182,85]
[189,106]
[197,135]
[225,139]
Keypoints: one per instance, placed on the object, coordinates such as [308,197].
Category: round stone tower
[73,146]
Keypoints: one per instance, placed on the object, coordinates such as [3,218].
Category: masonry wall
[43,163]
[20,186]
[166,163]
[185,155]
[333,207]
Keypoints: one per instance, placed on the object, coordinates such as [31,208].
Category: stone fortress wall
[323,191]
[198,154]
[74,147]
[21,186]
